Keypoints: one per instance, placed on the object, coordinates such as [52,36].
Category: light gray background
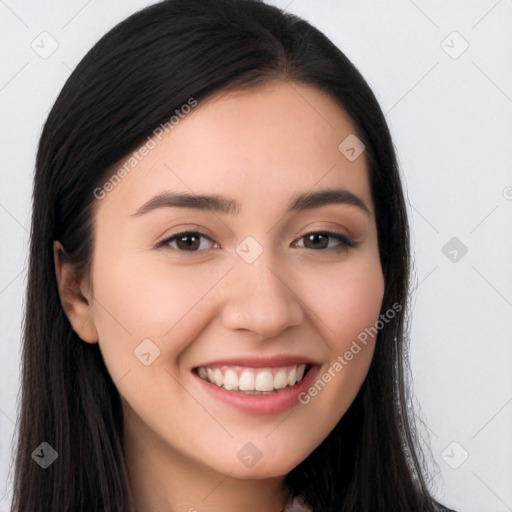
[451,118]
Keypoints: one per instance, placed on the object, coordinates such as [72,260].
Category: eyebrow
[229,206]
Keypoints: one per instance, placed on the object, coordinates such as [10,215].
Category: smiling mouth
[253,381]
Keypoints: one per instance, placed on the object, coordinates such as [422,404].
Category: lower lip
[262,404]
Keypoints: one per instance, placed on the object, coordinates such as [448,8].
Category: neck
[164,479]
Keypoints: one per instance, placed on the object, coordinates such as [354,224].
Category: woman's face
[251,294]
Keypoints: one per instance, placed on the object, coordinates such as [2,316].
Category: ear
[77,304]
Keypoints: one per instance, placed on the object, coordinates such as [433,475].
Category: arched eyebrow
[229,206]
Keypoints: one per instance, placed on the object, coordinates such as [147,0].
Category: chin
[264,467]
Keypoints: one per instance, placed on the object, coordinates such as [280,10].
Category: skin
[261,146]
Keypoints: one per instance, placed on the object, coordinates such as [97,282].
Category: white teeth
[264,380]
[280,379]
[231,380]
[292,376]
[217,375]
[253,379]
[300,371]
[246,381]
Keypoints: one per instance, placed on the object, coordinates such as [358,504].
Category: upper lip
[262,361]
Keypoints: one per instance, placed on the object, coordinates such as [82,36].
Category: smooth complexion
[200,302]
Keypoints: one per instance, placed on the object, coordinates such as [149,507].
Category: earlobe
[76,304]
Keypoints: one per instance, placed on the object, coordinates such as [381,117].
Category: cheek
[139,298]
[348,301]
[349,306]
[359,301]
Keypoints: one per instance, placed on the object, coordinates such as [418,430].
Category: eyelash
[346,243]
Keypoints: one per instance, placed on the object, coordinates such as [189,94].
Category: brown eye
[320,240]
[187,241]
[316,241]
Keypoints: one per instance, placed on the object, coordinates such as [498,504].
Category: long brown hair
[130,82]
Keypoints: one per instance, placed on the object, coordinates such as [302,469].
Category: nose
[259,297]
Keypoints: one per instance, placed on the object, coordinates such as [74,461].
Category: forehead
[261,145]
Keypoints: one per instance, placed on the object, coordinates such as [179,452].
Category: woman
[218,279]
